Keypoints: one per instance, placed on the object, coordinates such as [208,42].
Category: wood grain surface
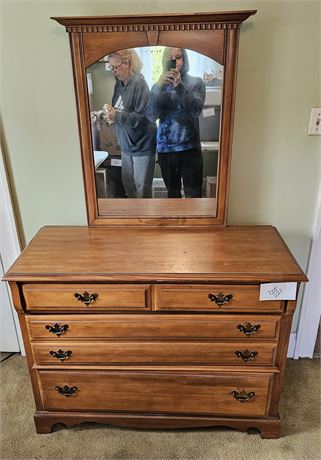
[237,253]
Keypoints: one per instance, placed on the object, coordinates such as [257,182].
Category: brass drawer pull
[66,390]
[248,329]
[57,328]
[60,354]
[243,396]
[220,299]
[246,355]
[86,298]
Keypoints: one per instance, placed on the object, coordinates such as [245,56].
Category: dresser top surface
[236,253]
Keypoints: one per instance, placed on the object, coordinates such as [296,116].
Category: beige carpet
[300,411]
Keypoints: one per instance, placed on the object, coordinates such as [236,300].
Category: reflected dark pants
[186,165]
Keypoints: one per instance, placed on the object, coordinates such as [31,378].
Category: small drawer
[153,326]
[229,298]
[154,353]
[77,297]
[182,392]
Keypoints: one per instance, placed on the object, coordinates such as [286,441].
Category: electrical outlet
[314,128]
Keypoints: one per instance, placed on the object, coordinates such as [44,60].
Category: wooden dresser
[155,327]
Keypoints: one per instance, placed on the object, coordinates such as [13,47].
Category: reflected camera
[171,64]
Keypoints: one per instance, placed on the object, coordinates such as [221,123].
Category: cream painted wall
[276,169]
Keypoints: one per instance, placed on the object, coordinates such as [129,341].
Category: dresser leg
[269,434]
[43,424]
[271,430]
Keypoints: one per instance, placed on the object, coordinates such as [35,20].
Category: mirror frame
[213,34]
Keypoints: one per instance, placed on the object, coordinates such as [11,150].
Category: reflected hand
[94,116]
[176,76]
[110,113]
[171,77]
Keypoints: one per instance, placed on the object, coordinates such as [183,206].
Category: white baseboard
[292,343]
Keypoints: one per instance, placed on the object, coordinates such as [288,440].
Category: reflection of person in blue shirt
[176,100]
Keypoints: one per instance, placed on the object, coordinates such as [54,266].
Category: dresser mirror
[101,80]
[184,67]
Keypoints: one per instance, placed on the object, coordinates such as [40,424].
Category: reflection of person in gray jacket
[176,100]
[134,132]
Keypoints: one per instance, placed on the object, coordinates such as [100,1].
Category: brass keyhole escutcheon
[57,328]
[66,390]
[246,355]
[86,298]
[248,329]
[60,354]
[220,298]
[243,396]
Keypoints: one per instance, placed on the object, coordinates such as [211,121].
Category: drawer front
[153,326]
[77,297]
[153,353]
[213,297]
[156,392]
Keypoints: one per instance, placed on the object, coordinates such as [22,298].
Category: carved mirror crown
[161,83]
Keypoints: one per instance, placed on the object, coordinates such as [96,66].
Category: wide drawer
[152,353]
[153,326]
[156,392]
[77,297]
[213,297]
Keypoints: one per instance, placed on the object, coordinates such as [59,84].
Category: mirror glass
[155,124]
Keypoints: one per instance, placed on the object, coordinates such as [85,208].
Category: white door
[311,305]
[10,334]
